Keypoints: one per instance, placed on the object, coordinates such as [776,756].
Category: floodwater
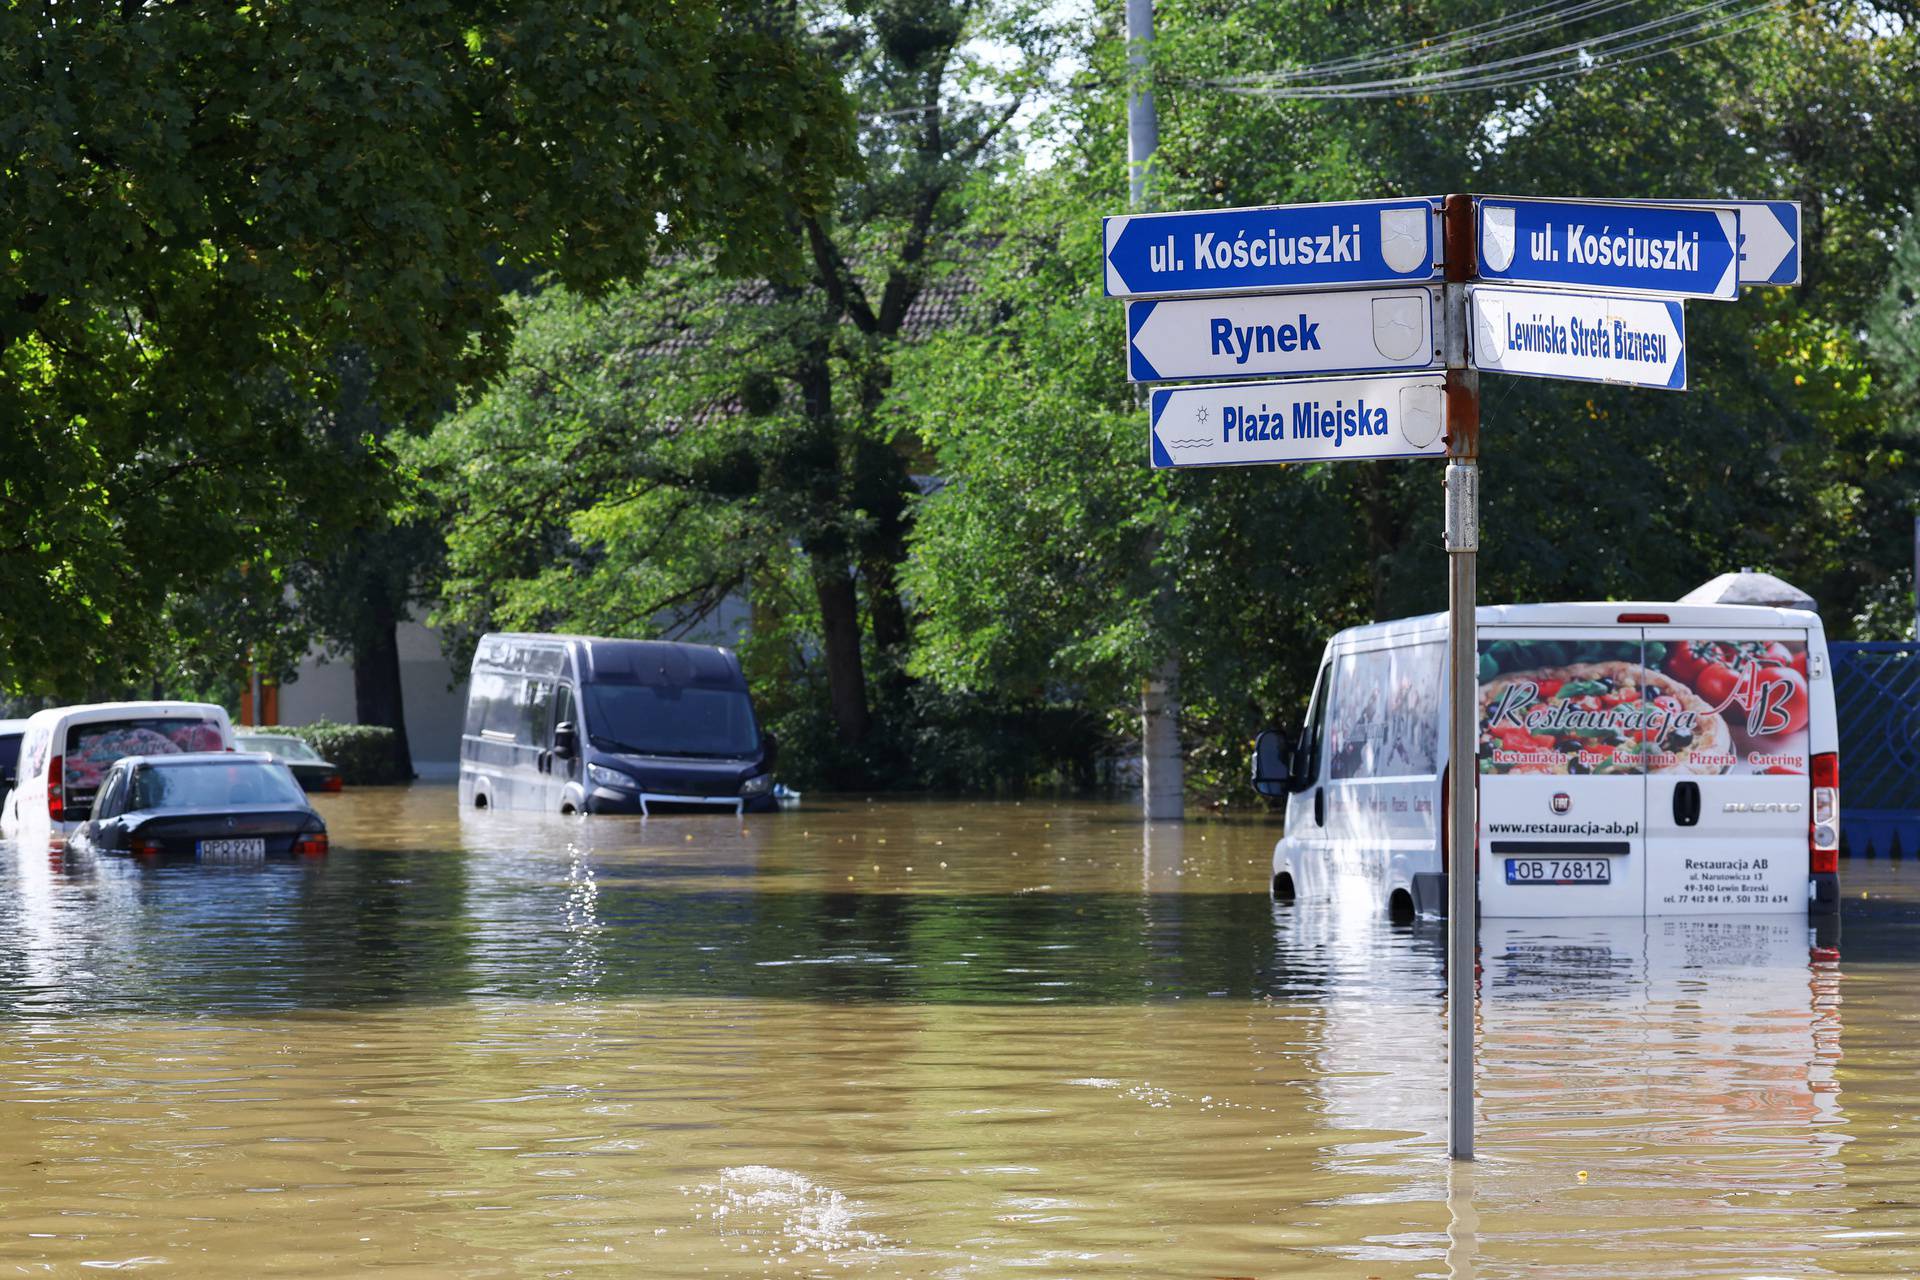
[918,1039]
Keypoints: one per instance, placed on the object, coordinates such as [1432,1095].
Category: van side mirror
[1270,773]
[566,740]
[770,748]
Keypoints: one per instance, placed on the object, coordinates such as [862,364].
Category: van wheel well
[1400,907]
[566,809]
[1283,887]
[479,799]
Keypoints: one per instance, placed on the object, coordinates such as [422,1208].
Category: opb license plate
[244,849]
[1559,871]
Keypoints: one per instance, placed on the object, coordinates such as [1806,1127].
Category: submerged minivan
[1633,759]
[582,724]
[66,751]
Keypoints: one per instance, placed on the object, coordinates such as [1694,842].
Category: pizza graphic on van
[1622,707]
[1598,718]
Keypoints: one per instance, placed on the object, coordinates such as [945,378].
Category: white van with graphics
[1658,759]
[66,751]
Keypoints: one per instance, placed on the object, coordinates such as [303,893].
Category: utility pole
[1463,753]
[1163,786]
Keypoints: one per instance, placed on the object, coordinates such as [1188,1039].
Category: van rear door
[1727,812]
[1562,783]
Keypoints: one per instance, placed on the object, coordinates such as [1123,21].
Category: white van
[66,751]
[1657,759]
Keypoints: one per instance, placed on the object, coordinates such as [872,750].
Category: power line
[1560,62]
[1460,38]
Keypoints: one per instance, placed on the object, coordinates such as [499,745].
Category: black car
[214,806]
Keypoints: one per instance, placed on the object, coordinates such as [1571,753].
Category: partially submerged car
[310,769]
[209,806]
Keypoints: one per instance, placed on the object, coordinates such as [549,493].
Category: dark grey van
[578,724]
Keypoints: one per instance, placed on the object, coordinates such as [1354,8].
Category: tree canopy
[205,206]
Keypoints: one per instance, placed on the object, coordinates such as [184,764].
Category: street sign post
[1357,331]
[1270,248]
[1587,337]
[1664,250]
[1302,420]
[1580,289]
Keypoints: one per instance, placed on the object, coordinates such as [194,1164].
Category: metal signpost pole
[1463,542]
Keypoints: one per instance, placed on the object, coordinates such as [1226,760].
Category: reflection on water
[916,1039]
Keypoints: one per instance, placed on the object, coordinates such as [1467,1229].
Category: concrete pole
[1143,122]
[1463,764]
[1162,769]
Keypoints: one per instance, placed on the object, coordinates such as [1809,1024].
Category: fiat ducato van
[580,724]
[1633,759]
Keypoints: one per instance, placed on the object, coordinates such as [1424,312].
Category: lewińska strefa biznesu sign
[1586,337]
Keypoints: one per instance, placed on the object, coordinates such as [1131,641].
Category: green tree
[648,454]
[204,206]
[1783,454]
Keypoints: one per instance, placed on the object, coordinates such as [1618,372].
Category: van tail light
[146,847]
[311,845]
[1644,617]
[56,791]
[332,782]
[1823,832]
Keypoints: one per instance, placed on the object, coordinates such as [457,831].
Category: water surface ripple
[918,1039]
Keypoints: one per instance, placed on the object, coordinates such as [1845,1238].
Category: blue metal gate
[1876,689]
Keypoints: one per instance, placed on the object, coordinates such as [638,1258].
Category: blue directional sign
[1769,237]
[1301,420]
[1675,251]
[1272,248]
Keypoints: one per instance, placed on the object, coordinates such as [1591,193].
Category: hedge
[364,752]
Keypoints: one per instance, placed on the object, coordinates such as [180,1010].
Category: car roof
[199,757]
[13,726]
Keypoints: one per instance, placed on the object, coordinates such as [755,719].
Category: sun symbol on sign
[1200,415]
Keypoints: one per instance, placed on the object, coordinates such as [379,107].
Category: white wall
[323,690]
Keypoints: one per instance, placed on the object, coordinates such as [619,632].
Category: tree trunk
[376,684]
[840,628]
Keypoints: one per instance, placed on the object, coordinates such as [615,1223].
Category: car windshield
[284,747]
[656,720]
[213,784]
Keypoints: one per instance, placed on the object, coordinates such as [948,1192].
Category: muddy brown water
[918,1039]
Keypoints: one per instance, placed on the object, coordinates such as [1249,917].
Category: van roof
[1592,613]
[111,710]
[611,660]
